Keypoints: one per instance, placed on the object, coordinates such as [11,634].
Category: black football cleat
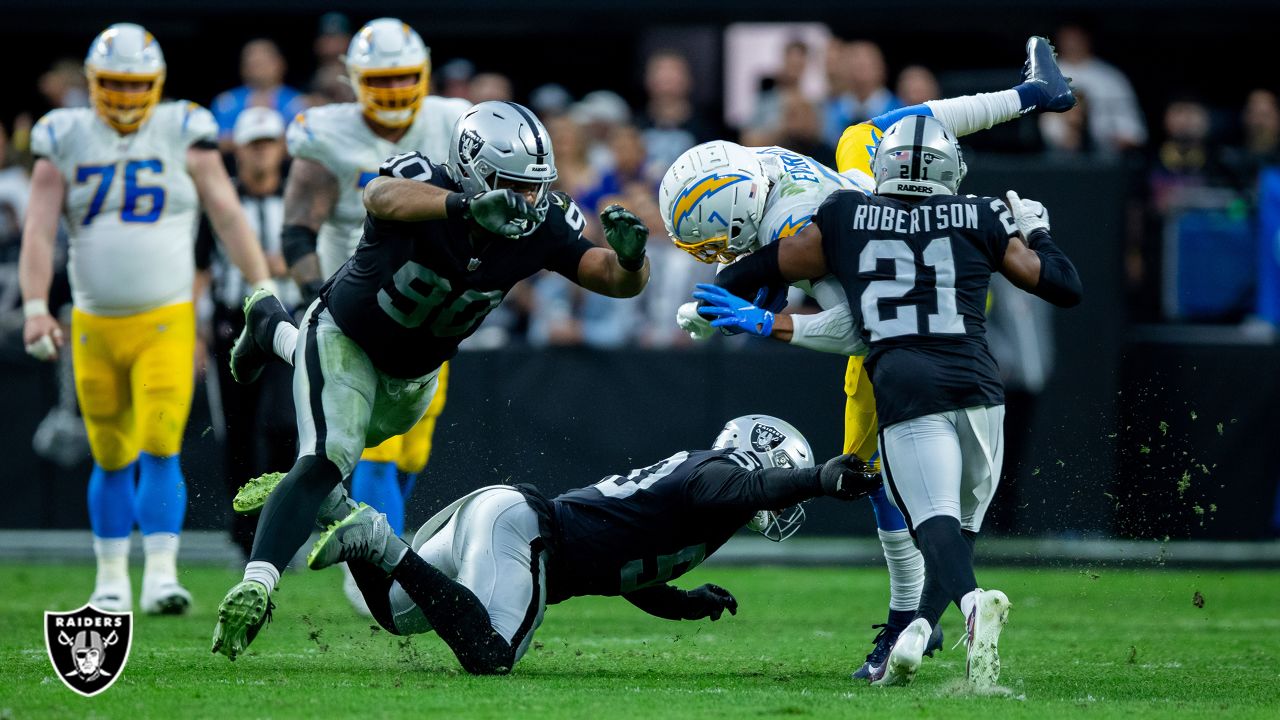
[1041,71]
[884,643]
[252,349]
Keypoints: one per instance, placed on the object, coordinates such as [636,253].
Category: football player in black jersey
[441,247]
[482,571]
[915,261]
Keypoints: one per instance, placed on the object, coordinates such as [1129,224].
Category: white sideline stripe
[211,547]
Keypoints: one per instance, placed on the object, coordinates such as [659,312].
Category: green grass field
[1091,643]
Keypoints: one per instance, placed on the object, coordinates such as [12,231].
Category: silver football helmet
[499,141]
[776,443]
[918,156]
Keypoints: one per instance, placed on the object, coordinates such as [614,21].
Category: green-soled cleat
[253,494]
[243,613]
[362,535]
[252,349]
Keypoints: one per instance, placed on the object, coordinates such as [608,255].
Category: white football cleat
[164,597]
[112,596]
[905,657]
[986,620]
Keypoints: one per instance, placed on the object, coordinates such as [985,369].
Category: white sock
[161,550]
[284,341]
[906,569]
[113,560]
[968,601]
[969,114]
[263,572]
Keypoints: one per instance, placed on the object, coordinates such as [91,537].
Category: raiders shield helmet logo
[765,437]
[88,647]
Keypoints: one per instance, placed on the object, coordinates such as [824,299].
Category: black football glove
[709,601]
[626,234]
[848,478]
[503,212]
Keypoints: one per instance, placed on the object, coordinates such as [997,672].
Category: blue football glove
[732,311]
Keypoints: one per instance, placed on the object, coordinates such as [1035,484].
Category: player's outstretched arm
[222,205]
[621,271]
[672,603]
[1033,262]
[40,332]
[310,195]
[789,260]
[403,200]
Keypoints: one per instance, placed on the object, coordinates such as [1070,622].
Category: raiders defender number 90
[441,247]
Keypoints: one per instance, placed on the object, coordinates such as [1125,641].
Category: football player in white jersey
[336,151]
[128,177]
[721,201]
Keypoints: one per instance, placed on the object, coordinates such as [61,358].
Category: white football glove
[690,321]
[1028,214]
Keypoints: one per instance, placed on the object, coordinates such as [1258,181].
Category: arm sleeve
[1059,282]
[662,601]
[723,483]
[746,276]
[832,331]
[204,244]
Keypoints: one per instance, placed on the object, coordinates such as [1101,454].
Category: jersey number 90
[417,294]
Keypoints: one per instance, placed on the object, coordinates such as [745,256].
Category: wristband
[297,242]
[34,307]
[631,265]
[457,206]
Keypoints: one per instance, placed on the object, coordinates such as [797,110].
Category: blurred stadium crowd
[1198,167]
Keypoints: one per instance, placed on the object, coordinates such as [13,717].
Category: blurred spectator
[577,177]
[801,130]
[332,38]
[64,86]
[565,314]
[257,425]
[262,69]
[330,84]
[454,79]
[599,113]
[15,190]
[1115,121]
[917,84]
[768,114]
[670,122]
[490,86]
[1260,144]
[1186,160]
[858,77]
[1067,133]
[550,101]
[630,160]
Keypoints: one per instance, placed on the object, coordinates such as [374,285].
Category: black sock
[266,314]
[899,619]
[290,513]
[375,586]
[948,565]
[457,616]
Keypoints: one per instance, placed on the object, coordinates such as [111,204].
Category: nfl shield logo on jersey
[88,647]
[765,437]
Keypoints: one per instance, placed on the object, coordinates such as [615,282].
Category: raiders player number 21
[442,246]
[915,261]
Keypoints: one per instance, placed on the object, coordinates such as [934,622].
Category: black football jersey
[917,273]
[414,290]
[657,523]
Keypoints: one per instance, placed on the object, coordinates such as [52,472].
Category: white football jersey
[801,185]
[131,207]
[337,137]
